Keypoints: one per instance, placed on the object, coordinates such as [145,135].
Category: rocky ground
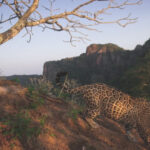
[58,123]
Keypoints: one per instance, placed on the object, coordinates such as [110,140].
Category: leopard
[104,100]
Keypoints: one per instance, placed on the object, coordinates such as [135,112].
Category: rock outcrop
[106,63]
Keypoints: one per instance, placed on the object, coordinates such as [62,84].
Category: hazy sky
[19,57]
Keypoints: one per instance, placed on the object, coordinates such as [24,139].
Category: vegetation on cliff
[127,70]
[136,80]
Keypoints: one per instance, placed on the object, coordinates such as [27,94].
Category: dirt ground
[62,127]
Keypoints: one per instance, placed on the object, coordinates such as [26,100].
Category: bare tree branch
[26,14]
[14,30]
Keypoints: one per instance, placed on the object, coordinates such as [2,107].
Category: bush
[20,126]
[41,85]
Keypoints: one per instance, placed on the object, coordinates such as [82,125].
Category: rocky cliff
[101,63]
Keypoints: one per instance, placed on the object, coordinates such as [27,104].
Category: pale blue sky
[19,57]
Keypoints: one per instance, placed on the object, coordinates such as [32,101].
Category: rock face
[101,48]
[101,63]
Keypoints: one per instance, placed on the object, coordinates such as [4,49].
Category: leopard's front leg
[90,115]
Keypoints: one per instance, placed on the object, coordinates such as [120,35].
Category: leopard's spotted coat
[102,99]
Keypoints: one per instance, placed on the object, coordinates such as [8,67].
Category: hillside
[54,124]
[107,63]
[22,79]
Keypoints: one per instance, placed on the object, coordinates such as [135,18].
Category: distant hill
[24,80]
[110,64]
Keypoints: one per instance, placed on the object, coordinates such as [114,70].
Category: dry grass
[61,126]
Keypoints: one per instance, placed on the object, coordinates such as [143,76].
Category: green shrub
[20,126]
[37,101]
[74,113]
[43,120]
[16,80]
[41,85]
[30,90]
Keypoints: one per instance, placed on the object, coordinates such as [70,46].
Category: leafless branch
[27,15]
